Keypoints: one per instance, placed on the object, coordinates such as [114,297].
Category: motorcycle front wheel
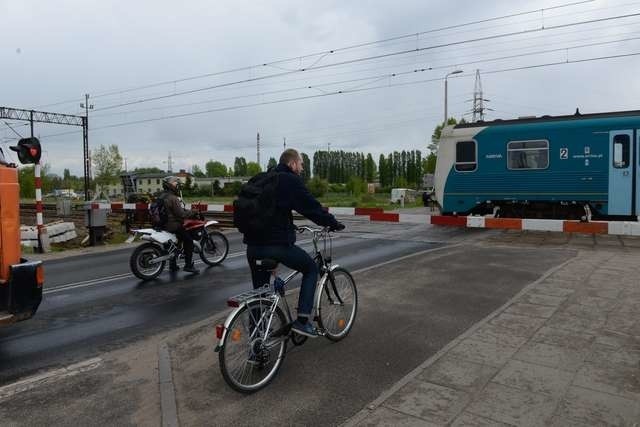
[215,247]
[140,261]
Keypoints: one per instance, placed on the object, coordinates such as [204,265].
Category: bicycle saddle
[266,264]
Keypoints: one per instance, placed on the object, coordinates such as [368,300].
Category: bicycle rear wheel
[249,357]
[338,304]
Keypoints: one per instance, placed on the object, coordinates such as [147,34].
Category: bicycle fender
[320,286]
[231,315]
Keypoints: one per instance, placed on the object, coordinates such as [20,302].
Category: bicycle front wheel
[338,304]
[250,355]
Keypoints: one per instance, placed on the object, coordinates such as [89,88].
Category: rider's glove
[337,227]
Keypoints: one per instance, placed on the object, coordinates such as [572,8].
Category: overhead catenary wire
[332,51]
[371,79]
[369,58]
[342,92]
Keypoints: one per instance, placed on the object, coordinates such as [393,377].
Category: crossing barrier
[623,228]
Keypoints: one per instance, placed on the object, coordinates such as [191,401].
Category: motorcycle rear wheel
[139,261]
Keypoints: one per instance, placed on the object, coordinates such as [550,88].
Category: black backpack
[254,210]
[158,213]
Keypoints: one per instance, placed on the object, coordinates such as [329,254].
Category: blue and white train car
[542,167]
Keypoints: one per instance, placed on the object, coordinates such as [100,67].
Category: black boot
[190,268]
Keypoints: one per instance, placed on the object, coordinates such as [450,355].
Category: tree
[253,168]
[318,186]
[429,164]
[197,171]
[240,166]
[107,164]
[215,169]
[140,171]
[27,180]
[217,189]
[369,168]
[306,167]
[272,163]
[356,186]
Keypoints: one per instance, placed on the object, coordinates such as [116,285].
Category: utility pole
[85,141]
[284,143]
[478,100]
[258,146]
[169,164]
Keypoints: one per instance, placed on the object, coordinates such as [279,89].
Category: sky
[197,80]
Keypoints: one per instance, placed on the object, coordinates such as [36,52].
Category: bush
[367,198]
[232,189]
[356,186]
[337,188]
[317,186]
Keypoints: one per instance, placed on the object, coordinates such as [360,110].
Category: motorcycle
[149,259]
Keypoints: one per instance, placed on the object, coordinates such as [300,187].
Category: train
[578,166]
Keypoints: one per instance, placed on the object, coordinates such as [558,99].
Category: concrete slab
[552,356]
[384,417]
[513,406]
[563,338]
[541,299]
[498,335]
[620,380]
[626,354]
[531,310]
[483,353]
[603,304]
[468,419]
[575,323]
[534,378]
[593,408]
[460,374]
[524,326]
[552,289]
[430,402]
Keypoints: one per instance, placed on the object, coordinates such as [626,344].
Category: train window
[466,156]
[621,152]
[528,154]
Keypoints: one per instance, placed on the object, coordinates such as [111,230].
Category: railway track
[115,217]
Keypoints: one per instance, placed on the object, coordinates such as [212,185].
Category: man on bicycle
[278,243]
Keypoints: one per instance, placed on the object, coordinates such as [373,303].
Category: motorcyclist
[176,215]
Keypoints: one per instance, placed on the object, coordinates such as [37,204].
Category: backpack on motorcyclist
[158,213]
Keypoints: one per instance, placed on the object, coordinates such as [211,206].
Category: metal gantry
[32,116]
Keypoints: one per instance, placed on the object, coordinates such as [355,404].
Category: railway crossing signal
[29,150]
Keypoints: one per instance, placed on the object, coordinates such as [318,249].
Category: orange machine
[21,281]
[9,221]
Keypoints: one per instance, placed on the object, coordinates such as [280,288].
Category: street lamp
[445,95]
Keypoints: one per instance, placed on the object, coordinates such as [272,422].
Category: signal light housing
[29,150]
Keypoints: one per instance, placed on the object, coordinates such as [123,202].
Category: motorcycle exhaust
[160,259]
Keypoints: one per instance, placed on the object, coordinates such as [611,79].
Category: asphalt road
[93,304]
[408,310]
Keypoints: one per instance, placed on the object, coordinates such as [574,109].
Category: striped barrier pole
[43,240]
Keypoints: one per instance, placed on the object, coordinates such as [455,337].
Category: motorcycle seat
[266,264]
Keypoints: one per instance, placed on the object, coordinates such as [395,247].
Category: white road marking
[101,280]
[49,377]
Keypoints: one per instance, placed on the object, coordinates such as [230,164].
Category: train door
[637,172]
[621,165]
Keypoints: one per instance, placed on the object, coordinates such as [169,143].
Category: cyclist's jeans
[294,258]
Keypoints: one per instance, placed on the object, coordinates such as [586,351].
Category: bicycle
[253,339]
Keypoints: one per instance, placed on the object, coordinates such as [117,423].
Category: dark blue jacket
[292,195]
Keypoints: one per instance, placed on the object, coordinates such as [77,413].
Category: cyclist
[175,218]
[278,243]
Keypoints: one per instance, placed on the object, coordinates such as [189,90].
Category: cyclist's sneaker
[191,269]
[305,329]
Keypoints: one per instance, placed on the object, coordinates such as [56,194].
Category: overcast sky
[52,53]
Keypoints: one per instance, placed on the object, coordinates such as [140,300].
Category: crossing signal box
[29,150]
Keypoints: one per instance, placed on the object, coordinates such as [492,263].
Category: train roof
[576,116]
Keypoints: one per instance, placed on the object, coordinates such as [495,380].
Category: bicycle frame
[270,295]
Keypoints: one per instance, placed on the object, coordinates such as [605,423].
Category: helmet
[168,181]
